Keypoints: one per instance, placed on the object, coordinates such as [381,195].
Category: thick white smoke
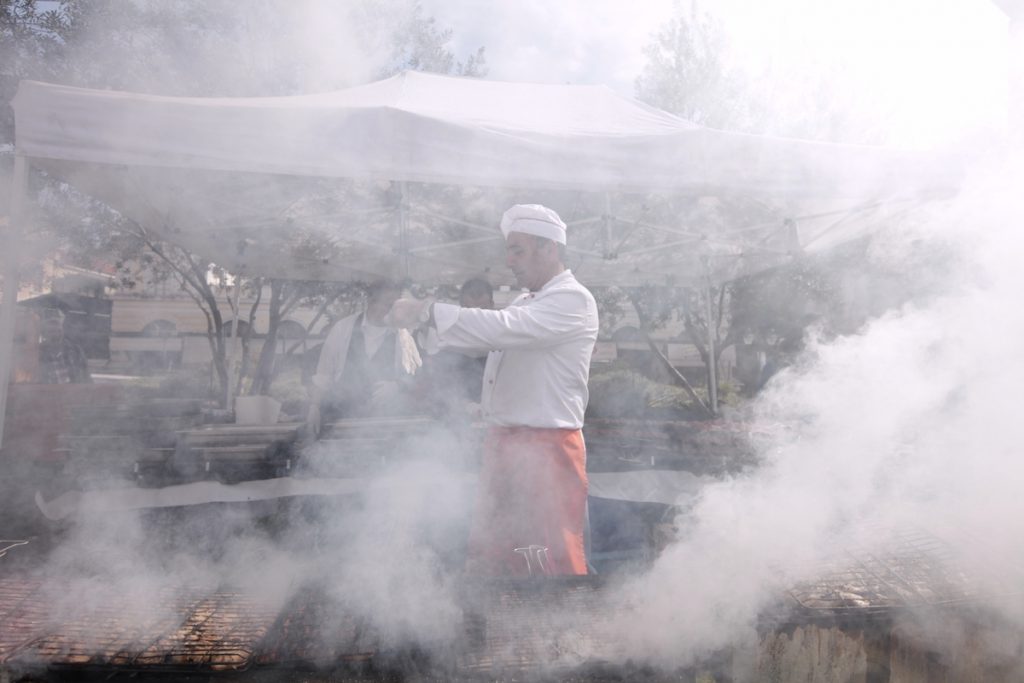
[911,423]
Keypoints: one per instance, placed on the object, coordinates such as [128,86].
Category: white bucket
[256,410]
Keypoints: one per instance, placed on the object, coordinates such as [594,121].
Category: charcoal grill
[22,616]
[910,569]
[556,622]
[315,630]
[185,632]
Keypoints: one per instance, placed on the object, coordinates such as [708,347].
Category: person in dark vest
[61,360]
[363,365]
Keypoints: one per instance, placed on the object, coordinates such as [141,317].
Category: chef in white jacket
[533,486]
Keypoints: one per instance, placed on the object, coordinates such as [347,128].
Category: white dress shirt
[334,352]
[537,370]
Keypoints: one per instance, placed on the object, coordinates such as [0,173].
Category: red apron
[533,491]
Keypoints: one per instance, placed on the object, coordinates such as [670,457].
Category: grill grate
[181,632]
[558,622]
[22,615]
[911,569]
[315,630]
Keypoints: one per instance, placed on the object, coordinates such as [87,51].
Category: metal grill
[22,616]
[556,622]
[911,569]
[316,630]
[181,632]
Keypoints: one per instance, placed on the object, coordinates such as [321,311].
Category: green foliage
[777,305]
[419,43]
[686,74]
[31,47]
[620,393]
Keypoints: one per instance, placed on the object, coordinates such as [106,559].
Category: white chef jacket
[537,370]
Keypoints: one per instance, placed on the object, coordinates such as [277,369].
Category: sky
[933,70]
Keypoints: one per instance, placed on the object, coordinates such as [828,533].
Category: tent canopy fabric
[346,184]
[441,129]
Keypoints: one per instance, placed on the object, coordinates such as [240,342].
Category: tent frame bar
[712,329]
[12,280]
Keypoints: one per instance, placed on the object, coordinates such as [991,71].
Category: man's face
[531,260]
[379,304]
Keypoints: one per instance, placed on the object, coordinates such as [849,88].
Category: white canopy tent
[219,173]
[375,171]
[440,129]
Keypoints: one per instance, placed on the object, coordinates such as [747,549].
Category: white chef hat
[533,219]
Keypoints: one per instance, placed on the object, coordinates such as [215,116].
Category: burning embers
[176,630]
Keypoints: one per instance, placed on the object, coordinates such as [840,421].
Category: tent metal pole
[606,220]
[229,400]
[15,227]
[403,227]
[712,369]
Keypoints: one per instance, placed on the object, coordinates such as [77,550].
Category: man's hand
[407,313]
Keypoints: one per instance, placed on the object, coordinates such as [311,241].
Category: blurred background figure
[364,367]
[61,360]
[26,346]
[453,379]
[476,292]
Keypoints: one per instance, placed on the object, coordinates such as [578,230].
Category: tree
[420,45]
[208,47]
[686,74]
[31,47]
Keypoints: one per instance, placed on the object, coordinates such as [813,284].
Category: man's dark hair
[476,286]
[378,287]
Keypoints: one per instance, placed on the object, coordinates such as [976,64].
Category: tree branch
[316,318]
[678,376]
